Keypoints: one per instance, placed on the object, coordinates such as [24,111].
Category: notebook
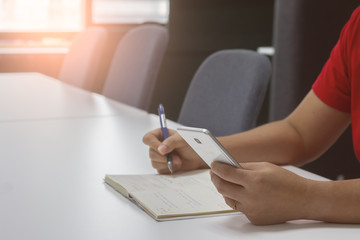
[180,195]
[172,197]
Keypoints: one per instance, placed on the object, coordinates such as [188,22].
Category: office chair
[227,92]
[82,61]
[135,65]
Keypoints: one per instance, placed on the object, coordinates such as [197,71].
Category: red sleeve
[333,85]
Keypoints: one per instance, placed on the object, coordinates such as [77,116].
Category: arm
[335,201]
[308,132]
[264,192]
[268,194]
[301,137]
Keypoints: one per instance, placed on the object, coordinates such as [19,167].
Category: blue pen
[165,133]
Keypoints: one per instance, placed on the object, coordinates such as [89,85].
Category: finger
[161,168]
[176,162]
[253,165]
[231,174]
[225,188]
[153,138]
[160,162]
[155,156]
[232,203]
[171,143]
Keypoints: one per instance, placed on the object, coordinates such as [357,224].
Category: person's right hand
[184,157]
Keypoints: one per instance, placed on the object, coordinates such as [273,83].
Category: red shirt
[338,84]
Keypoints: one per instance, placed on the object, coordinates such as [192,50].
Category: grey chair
[135,65]
[227,92]
[81,64]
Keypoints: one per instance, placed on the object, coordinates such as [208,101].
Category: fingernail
[162,148]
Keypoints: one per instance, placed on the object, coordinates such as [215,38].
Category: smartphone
[206,145]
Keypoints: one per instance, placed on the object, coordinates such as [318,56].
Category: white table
[33,96]
[52,169]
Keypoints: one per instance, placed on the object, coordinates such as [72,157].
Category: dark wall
[305,31]
[199,28]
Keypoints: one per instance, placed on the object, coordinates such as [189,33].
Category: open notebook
[170,197]
[179,196]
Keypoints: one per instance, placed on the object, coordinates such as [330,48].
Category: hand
[184,158]
[265,193]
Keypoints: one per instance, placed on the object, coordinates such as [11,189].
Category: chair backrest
[227,92]
[135,65]
[82,61]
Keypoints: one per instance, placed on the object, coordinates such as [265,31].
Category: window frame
[89,20]
[67,35]
[39,35]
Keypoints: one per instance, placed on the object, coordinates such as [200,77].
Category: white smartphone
[206,145]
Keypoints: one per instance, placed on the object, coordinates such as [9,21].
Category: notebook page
[189,193]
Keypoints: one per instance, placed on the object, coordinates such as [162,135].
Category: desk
[33,96]
[52,169]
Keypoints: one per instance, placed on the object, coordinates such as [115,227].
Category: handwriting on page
[173,194]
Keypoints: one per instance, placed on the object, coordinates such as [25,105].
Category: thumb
[170,144]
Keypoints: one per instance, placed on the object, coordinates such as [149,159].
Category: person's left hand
[265,193]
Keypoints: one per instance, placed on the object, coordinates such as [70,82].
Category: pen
[165,134]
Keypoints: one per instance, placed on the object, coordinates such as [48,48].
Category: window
[42,15]
[129,11]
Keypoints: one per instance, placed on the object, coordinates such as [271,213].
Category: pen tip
[170,166]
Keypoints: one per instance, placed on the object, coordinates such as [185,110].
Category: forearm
[276,142]
[303,136]
[334,201]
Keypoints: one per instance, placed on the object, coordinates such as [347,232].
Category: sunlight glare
[41,15]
